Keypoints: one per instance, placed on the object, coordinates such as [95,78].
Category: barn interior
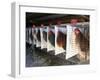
[37,57]
[48,18]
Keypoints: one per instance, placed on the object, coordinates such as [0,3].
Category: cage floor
[35,57]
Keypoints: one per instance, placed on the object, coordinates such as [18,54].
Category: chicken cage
[65,38]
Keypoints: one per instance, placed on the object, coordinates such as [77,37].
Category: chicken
[61,40]
[38,35]
[45,35]
[81,44]
[51,37]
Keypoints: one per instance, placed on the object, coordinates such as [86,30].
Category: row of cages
[64,38]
